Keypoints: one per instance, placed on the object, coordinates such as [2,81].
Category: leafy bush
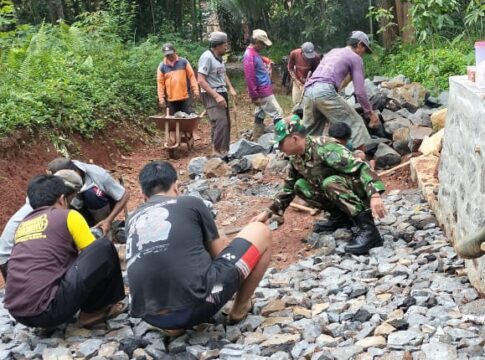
[79,77]
[414,62]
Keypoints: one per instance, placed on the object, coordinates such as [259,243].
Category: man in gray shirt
[335,71]
[101,198]
[214,84]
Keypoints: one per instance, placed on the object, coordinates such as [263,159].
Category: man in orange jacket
[175,77]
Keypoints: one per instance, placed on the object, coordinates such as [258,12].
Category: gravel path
[409,299]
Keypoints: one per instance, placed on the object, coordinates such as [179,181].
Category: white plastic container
[479,52]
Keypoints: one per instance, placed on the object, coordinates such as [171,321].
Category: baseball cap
[71,179]
[308,50]
[362,37]
[260,35]
[168,49]
[218,37]
[285,127]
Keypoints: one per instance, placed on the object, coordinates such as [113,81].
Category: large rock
[392,125]
[438,119]
[400,339]
[410,96]
[370,89]
[443,98]
[439,351]
[239,166]
[421,118]
[386,156]
[59,353]
[267,141]
[432,144]
[395,82]
[244,147]
[216,168]
[196,166]
[372,145]
[400,141]
[276,163]
[388,115]
[259,162]
[416,136]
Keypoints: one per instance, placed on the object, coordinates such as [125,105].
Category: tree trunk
[389,35]
[403,20]
[194,20]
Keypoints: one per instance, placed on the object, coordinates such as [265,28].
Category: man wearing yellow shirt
[57,267]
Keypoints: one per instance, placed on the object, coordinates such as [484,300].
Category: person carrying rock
[180,272]
[214,84]
[258,82]
[326,175]
[101,198]
[301,62]
[336,69]
[57,267]
[174,78]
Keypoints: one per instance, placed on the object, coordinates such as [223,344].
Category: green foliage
[475,17]
[414,62]
[80,77]
[122,14]
[430,17]
[381,15]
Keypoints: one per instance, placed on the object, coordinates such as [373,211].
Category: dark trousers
[93,282]
[181,105]
[96,206]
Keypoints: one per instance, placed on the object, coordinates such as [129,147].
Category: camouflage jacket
[325,157]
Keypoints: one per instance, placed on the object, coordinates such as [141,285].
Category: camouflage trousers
[336,192]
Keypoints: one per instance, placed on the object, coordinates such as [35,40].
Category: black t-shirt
[168,265]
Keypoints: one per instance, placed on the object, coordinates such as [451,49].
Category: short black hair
[44,190]
[340,131]
[157,176]
[353,42]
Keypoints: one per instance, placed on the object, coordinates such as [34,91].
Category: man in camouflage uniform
[326,175]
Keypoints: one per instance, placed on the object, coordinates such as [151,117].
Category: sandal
[234,321]
[90,319]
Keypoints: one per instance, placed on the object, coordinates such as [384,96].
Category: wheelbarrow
[177,130]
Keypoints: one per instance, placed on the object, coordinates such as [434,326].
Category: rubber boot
[258,131]
[368,236]
[336,220]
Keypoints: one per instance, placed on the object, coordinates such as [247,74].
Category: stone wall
[461,197]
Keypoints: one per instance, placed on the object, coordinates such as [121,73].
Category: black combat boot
[368,236]
[336,220]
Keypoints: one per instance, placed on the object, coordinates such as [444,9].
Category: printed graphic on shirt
[148,232]
[32,229]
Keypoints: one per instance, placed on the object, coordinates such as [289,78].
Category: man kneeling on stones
[326,175]
[57,267]
[179,272]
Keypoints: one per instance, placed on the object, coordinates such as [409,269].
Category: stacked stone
[408,299]
[243,156]
[406,110]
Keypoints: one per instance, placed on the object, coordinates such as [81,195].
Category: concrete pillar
[461,195]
